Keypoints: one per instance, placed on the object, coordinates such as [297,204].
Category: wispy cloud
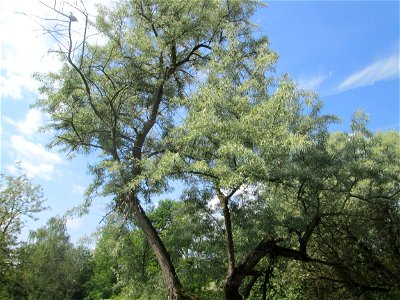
[30,124]
[312,83]
[78,190]
[36,161]
[393,126]
[383,69]
[74,224]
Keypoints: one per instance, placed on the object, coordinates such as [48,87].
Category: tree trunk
[231,290]
[244,269]
[231,287]
[228,230]
[250,286]
[175,288]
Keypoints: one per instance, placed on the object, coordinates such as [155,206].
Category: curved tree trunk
[175,288]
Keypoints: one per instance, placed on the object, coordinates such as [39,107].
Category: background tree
[345,191]
[364,246]
[53,268]
[103,263]
[20,200]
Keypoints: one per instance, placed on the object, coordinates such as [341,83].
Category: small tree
[20,200]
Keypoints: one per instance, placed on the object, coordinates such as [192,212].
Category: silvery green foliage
[124,94]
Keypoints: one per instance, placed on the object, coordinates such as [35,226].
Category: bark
[231,290]
[228,230]
[249,286]
[175,288]
[267,278]
[264,248]
[176,291]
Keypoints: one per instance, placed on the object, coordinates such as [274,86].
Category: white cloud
[74,224]
[24,47]
[383,69]
[78,189]
[312,83]
[35,160]
[31,123]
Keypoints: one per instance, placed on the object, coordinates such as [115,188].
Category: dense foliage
[346,190]
[275,206]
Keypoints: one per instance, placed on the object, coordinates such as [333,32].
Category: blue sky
[346,51]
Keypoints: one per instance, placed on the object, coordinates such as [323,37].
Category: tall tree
[121,98]
[314,189]
[244,129]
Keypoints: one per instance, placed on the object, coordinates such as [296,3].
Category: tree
[237,134]
[121,98]
[52,267]
[19,201]
[112,247]
[354,183]
[304,182]
[364,249]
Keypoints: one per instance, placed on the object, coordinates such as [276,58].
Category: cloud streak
[383,69]
[78,190]
[312,83]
